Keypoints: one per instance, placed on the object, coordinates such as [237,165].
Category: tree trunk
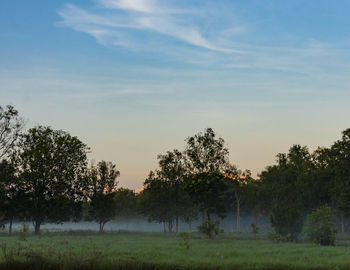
[190,226]
[177,224]
[238,213]
[10,226]
[164,228]
[102,225]
[342,223]
[37,227]
[170,226]
[208,216]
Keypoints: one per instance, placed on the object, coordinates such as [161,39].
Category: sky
[134,78]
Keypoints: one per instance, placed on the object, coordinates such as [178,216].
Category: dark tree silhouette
[51,165]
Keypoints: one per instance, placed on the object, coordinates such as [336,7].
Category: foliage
[185,240]
[287,219]
[155,201]
[255,229]
[286,190]
[210,228]
[276,237]
[51,165]
[23,232]
[320,226]
[205,153]
[208,191]
[125,203]
[11,126]
[102,185]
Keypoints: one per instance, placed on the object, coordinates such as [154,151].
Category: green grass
[87,250]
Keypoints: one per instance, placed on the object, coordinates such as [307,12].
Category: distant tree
[172,169]
[285,184]
[12,196]
[51,165]
[339,168]
[102,188]
[208,190]
[155,201]
[125,203]
[206,157]
[237,182]
[11,126]
[205,153]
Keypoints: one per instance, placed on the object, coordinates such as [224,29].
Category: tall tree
[13,197]
[285,184]
[11,126]
[237,187]
[51,164]
[209,191]
[206,158]
[155,201]
[126,203]
[205,153]
[339,166]
[102,187]
[172,169]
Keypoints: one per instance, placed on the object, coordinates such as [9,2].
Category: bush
[255,229]
[210,228]
[320,226]
[276,237]
[185,237]
[23,231]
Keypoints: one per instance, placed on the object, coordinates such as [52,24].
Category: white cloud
[138,14]
[140,25]
[144,6]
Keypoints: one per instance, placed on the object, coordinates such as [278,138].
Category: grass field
[123,250]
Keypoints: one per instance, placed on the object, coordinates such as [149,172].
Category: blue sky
[134,78]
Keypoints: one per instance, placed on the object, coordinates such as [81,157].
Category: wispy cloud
[186,35]
[111,17]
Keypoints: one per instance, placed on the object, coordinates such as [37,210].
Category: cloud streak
[114,16]
[194,36]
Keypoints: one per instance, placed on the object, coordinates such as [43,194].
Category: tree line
[45,176]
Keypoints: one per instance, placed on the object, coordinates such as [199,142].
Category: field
[126,250]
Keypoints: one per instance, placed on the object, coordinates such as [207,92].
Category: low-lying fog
[228,224]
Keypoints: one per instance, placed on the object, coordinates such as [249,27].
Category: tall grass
[122,250]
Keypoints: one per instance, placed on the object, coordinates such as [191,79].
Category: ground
[127,250]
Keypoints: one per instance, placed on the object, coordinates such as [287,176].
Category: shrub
[255,229]
[210,228]
[23,231]
[320,226]
[276,237]
[185,237]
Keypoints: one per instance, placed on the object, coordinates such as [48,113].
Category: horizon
[133,79]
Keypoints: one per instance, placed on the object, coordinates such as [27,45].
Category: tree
[206,154]
[206,159]
[102,187]
[51,164]
[13,197]
[208,190]
[172,169]
[339,167]
[125,201]
[237,182]
[155,201]
[11,126]
[286,186]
